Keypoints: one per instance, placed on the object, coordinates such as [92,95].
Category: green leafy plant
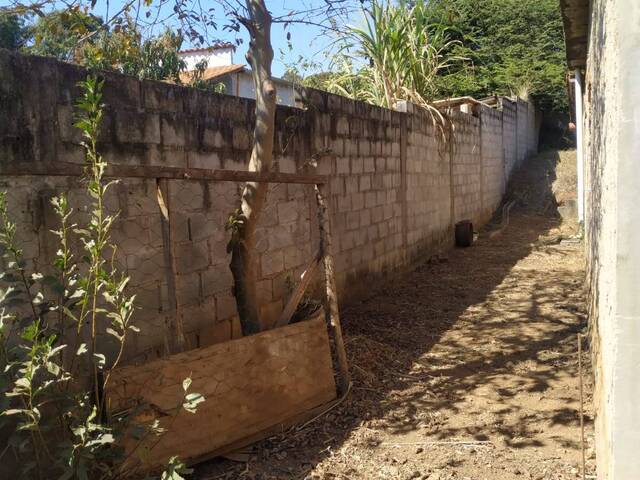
[513,48]
[196,79]
[12,31]
[175,469]
[397,55]
[125,50]
[56,328]
[59,33]
[74,35]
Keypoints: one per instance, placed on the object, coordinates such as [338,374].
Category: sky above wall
[311,42]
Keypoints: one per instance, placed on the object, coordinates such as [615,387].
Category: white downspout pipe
[579,151]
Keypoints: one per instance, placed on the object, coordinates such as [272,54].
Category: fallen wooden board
[250,384]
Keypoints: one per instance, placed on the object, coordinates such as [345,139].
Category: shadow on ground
[464,366]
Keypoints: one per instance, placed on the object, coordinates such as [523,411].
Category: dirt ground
[465,368]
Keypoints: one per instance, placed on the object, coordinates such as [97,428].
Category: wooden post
[177,340]
[330,282]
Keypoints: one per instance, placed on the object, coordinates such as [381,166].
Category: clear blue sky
[309,41]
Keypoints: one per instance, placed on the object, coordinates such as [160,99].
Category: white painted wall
[625,379]
[242,86]
[612,148]
[237,84]
[215,57]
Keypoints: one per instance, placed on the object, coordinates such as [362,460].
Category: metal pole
[579,152]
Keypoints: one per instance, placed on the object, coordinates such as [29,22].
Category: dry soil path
[465,368]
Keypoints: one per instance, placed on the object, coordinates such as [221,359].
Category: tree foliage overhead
[126,51]
[427,49]
[74,35]
[397,54]
[58,34]
[12,32]
[513,47]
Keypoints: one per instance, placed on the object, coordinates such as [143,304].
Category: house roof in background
[210,48]
[213,72]
[575,17]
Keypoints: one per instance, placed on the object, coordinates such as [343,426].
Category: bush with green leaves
[75,35]
[397,55]
[434,49]
[56,328]
[513,47]
[197,79]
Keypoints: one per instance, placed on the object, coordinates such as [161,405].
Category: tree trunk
[244,260]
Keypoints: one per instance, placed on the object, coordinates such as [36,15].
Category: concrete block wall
[509,134]
[428,184]
[466,167]
[493,160]
[136,233]
[362,145]
[532,130]
[396,185]
[522,131]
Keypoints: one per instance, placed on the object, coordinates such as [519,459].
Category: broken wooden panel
[250,384]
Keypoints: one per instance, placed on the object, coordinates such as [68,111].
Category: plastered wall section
[611,149]
[396,188]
